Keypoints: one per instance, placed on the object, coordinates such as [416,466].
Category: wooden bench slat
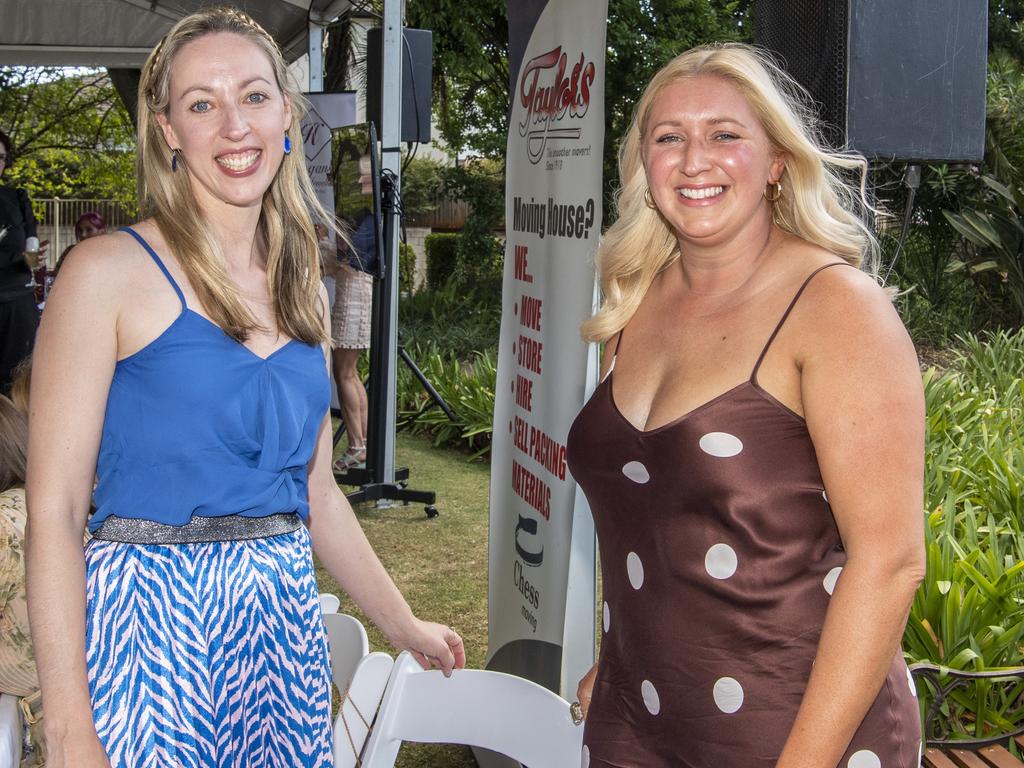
[934,758]
[999,757]
[967,759]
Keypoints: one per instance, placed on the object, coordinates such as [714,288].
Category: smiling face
[228,118]
[708,159]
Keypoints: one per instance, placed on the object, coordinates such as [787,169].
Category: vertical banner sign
[327,111]
[541,546]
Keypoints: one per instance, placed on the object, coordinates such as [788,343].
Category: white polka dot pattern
[585,761]
[720,444]
[829,582]
[607,617]
[635,570]
[636,472]
[728,694]
[650,696]
[720,561]
[864,758]
[824,495]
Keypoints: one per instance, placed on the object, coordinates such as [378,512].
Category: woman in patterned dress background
[754,453]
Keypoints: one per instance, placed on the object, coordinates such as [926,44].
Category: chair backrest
[359,707]
[329,603]
[349,645]
[10,732]
[478,708]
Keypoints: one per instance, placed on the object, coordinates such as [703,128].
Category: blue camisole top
[199,425]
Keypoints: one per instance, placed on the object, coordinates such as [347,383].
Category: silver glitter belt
[197,530]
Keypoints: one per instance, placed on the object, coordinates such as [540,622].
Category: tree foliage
[72,135]
[470,71]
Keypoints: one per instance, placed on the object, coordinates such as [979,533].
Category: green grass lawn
[439,564]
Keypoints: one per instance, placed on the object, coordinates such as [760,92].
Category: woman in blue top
[190,631]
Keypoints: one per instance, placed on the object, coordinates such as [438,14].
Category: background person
[754,454]
[200,401]
[89,224]
[351,326]
[19,316]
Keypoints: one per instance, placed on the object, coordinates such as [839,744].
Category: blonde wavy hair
[818,203]
[290,207]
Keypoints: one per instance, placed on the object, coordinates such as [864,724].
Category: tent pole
[391,162]
[316,57]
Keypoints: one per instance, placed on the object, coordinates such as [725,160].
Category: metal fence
[57,219]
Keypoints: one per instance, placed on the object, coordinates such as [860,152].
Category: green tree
[471,99]
[72,135]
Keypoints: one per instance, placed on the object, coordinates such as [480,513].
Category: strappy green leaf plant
[969,612]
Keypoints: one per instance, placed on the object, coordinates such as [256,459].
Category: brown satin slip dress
[719,554]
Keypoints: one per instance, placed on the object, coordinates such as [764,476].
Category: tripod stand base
[397,491]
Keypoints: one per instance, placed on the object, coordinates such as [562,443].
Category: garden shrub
[441,249]
[406,268]
[467,388]
[968,613]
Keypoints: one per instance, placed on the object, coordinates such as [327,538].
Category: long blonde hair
[290,207]
[817,204]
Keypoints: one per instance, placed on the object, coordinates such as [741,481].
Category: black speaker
[893,79]
[417,73]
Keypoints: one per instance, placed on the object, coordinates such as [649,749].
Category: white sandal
[354,457]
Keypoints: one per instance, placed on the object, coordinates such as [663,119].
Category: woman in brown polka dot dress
[754,461]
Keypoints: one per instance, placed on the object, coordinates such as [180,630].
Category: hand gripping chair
[503,713]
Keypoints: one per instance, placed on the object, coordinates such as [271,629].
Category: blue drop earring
[287,144]
[174,160]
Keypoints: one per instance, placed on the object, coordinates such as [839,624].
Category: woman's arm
[863,401]
[342,547]
[73,363]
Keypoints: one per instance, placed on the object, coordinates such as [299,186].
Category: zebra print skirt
[208,655]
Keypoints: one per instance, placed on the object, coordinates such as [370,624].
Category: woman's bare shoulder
[104,270]
[845,311]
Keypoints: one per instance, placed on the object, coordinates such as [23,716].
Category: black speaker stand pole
[374,481]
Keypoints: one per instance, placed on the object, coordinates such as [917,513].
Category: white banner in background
[327,111]
[541,535]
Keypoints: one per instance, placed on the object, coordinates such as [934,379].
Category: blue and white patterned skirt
[208,655]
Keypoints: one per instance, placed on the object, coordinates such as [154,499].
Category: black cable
[413,146]
[911,180]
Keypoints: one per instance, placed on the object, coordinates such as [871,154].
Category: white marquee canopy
[120,33]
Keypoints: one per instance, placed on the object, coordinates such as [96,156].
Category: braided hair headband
[229,13]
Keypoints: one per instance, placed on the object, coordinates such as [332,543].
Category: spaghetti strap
[159,263]
[785,315]
[615,354]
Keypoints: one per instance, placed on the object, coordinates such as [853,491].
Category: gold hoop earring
[648,200]
[776,187]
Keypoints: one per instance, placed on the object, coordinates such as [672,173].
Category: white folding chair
[478,708]
[329,603]
[10,732]
[358,708]
[348,643]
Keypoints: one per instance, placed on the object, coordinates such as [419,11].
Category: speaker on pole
[893,79]
[417,74]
